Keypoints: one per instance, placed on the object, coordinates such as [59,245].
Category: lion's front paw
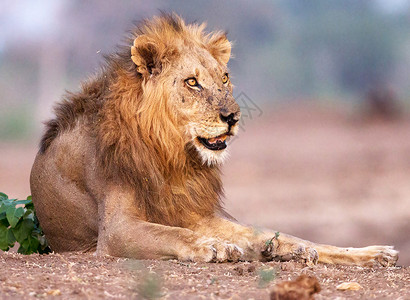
[212,250]
[272,250]
[227,252]
[305,254]
[385,256]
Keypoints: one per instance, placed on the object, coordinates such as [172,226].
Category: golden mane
[138,138]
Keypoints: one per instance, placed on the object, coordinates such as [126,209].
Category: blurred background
[324,147]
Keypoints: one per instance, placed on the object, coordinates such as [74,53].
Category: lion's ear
[143,54]
[220,47]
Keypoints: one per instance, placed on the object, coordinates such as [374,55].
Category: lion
[130,165]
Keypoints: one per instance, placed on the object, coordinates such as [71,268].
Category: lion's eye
[225,78]
[191,82]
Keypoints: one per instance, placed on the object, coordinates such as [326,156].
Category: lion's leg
[366,256]
[271,245]
[143,240]
[122,234]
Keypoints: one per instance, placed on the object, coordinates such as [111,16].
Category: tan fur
[121,169]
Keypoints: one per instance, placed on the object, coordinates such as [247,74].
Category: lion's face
[201,91]
[189,70]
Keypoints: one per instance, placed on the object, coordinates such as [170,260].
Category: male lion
[129,166]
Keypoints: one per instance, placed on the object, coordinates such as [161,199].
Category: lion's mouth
[215,143]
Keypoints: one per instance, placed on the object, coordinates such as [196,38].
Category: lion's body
[68,213]
[129,166]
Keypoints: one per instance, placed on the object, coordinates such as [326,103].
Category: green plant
[266,275]
[19,223]
[150,286]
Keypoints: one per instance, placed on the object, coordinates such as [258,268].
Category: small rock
[54,292]
[351,286]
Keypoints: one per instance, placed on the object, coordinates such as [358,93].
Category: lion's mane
[136,136]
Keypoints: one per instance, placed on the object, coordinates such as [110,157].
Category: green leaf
[23,230]
[19,223]
[3,220]
[23,250]
[269,242]
[6,238]
[30,245]
[5,205]
[4,245]
[29,215]
[25,202]
[10,237]
[30,206]
[266,275]
[14,214]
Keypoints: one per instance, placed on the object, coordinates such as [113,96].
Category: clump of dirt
[245,269]
[79,276]
[302,288]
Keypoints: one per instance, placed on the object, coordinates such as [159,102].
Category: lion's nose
[230,118]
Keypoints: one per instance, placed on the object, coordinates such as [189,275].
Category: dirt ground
[83,276]
[321,175]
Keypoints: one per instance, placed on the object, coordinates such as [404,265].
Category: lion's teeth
[219,139]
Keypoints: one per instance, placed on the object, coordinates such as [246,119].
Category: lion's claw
[212,250]
[299,252]
[227,252]
[307,254]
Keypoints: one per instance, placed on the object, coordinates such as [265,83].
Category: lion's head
[185,70]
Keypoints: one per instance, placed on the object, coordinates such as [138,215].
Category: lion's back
[84,105]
